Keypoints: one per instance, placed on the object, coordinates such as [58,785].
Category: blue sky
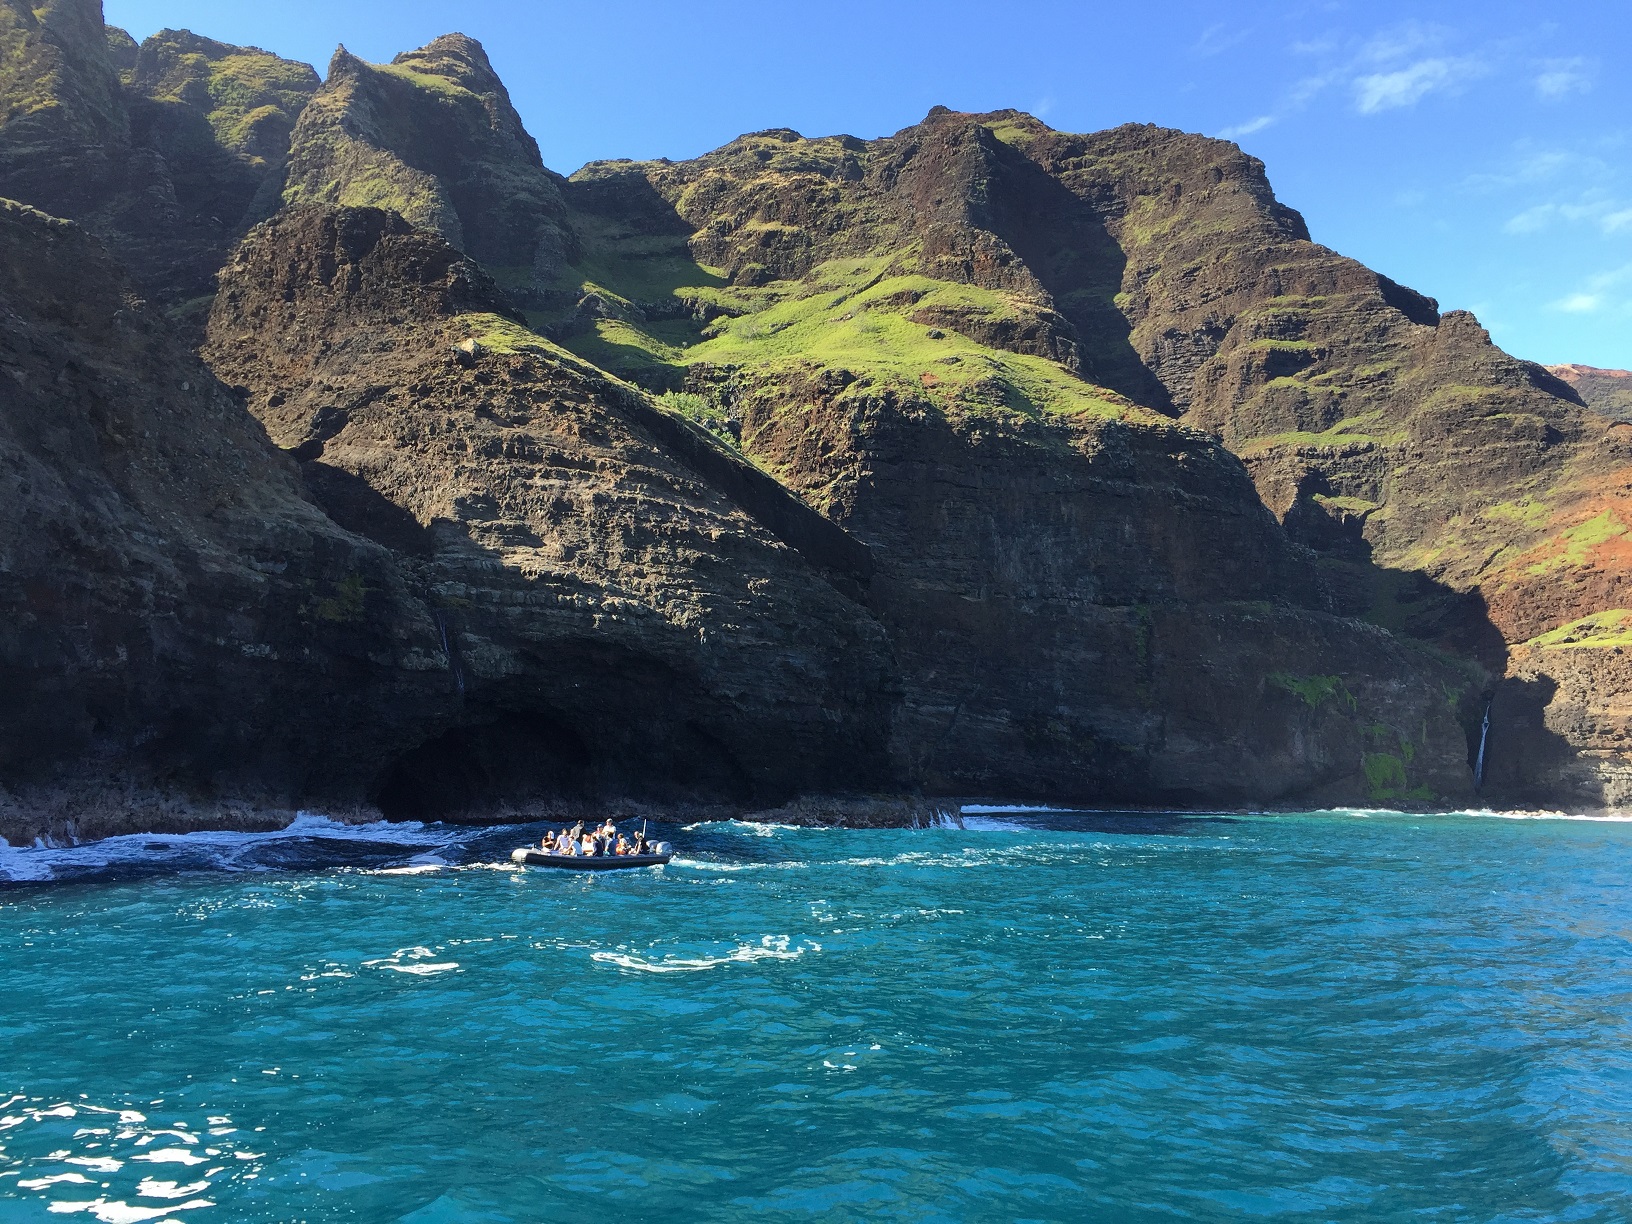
[1479,152]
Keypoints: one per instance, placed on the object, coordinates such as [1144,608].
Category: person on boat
[622,846]
[640,842]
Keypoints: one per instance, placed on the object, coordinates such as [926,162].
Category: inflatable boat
[531,856]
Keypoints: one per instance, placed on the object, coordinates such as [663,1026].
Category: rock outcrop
[1606,392]
[168,151]
[433,137]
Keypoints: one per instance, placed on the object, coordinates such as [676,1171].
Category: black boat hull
[587,862]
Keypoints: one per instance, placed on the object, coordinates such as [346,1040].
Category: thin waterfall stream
[1484,739]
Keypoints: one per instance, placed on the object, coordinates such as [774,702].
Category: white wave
[988,824]
[220,848]
[150,1188]
[416,961]
[771,947]
[420,864]
[179,1156]
[1596,818]
[722,865]
[117,1211]
[988,809]
[757,828]
[1481,814]
[42,1183]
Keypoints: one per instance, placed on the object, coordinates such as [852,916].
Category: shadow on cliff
[1062,239]
[607,722]
[1526,763]
[1521,753]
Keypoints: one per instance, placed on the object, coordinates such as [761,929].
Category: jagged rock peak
[1019,119]
[458,57]
[343,64]
[433,136]
[122,50]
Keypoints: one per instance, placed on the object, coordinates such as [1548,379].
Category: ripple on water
[82,1158]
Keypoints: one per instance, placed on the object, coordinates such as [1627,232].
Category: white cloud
[1314,46]
[1402,41]
[1532,220]
[1604,292]
[1219,38]
[1380,91]
[1247,128]
[1559,78]
[1532,165]
[1609,215]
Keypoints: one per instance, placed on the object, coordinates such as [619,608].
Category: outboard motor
[662,848]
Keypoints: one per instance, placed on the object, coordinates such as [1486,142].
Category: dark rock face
[616,624]
[1384,433]
[433,136]
[168,152]
[1102,611]
[177,613]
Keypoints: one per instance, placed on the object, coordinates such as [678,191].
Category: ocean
[1342,1016]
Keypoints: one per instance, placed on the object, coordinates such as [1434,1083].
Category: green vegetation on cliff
[249,97]
[852,315]
[1600,631]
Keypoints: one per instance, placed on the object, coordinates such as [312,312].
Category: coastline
[66,816]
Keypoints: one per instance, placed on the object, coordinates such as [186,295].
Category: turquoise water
[1045,1017]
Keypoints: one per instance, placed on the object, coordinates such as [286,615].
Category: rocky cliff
[432,136]
[1451,493]
[168,151]
[1088,600]
[179,616]
[980,459]
[617,623]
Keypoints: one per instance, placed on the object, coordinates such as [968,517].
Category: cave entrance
[511,760]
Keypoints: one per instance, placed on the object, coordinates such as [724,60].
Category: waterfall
[453,659]
[1484,738]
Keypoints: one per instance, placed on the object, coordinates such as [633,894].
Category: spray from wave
[308,839]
